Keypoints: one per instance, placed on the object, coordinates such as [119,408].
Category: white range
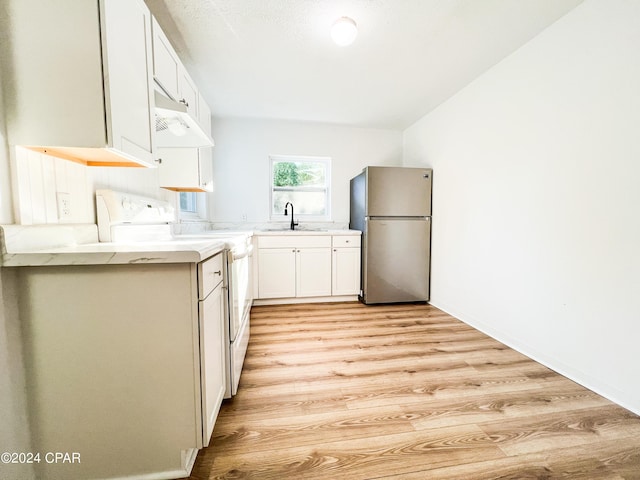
[128,218]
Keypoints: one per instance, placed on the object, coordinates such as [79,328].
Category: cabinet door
[185,169]
[128,78]
[205,163]
[212,359]
[204,115]
[165,62]
[188,93]
[345,271]
[276,272]
[313,272]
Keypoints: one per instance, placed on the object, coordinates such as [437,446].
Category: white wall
[536,228]
[14,427]
[241,161]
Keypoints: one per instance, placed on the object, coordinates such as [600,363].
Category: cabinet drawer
[209,275]
[346,241]
[294,241]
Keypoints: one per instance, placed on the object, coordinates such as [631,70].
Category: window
[192,206]
[303,181]
[188,202]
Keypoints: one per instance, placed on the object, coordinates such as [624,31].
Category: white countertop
[117,254]
[40,245]
[307,232]
[22,246]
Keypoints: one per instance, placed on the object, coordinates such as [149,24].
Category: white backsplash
[277,225]
[38,178]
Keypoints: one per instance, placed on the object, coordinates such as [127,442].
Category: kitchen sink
[298,230]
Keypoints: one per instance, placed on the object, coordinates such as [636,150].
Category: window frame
[327,188]
[200,213]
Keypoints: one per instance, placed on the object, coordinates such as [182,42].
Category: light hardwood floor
[348,391]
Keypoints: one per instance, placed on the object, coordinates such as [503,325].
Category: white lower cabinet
[124,364]
[306,266]
[212,344]
[345,267]
[313,272]
[294,266]
[276,272]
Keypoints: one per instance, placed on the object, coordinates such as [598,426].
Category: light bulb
[344,31]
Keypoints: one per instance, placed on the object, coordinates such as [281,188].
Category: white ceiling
[276,59]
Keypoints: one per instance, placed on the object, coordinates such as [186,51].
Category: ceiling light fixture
[344,31]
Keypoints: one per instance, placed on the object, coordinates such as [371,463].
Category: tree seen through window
[302,181]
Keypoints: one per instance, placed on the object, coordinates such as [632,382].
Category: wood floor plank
[501,406]
[561,429]
[349,391]
[260,434]
[360,458]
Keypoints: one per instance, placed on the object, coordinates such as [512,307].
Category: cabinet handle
[335,250]
[294,250]
[219,272]
[185,102]
[347,241]
[158,160]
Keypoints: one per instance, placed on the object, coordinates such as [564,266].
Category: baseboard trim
[611,393]
[296,300]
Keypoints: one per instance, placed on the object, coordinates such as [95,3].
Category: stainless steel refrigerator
[391,206]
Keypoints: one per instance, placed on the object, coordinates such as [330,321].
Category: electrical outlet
[64,206]
[244,217]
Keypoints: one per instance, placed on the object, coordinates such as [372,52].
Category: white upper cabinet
[128,77]
[204,114]
[79,80]
[188,94]
[185,169]
[174,80]
[166,65]
[182,166]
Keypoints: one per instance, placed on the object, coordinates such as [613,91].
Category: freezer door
[396,256]
[398,192]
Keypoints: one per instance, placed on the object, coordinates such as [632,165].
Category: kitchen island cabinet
[124,365]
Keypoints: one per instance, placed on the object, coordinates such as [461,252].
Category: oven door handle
[233,257]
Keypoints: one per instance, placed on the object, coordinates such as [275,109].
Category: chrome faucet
[293,224]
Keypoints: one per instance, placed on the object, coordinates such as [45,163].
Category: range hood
[175,127]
